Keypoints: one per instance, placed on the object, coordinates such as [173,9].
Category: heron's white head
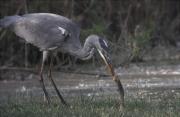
[100,43]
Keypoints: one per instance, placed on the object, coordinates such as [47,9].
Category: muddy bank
[139,81]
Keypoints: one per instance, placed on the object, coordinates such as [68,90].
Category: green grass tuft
[86,107]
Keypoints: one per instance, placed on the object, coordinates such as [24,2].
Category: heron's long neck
[87,51]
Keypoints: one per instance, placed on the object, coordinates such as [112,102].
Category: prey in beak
[107,61]
[104,53]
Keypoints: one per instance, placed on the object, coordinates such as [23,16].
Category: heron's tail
[8,21]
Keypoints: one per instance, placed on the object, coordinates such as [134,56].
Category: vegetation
[87,107]
[133,28]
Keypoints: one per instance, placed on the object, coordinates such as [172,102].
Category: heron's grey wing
[48,21]
[41,34]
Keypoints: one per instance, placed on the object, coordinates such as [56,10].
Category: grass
[87,107]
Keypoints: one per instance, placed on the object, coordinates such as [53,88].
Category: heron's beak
[105,56]
[107,61]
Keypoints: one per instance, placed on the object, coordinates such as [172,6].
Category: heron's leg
[41,80]
[53,83]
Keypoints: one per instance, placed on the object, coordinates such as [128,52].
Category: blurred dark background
[137,30]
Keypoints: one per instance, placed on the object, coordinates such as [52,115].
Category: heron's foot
[46,100]
[63,101]
[66,104]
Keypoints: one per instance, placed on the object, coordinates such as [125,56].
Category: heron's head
[103,49]
[100,44]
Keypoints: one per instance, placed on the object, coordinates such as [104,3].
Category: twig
[124,27]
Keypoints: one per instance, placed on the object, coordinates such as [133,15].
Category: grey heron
[50,32]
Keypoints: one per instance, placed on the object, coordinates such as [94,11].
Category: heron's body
[42,31]
[50,31]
